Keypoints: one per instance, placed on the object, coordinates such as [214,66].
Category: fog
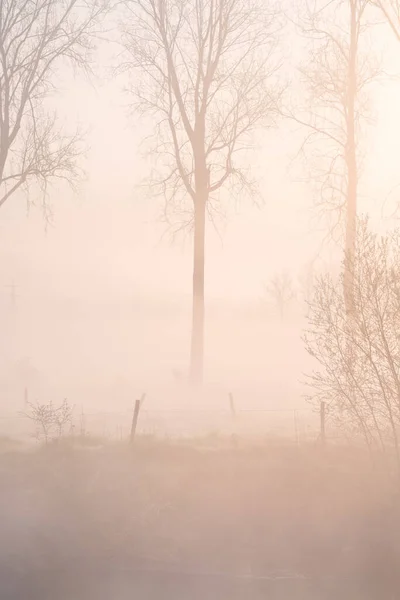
[130,467]
[103,294]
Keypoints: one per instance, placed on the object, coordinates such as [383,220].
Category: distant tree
[281,290]
[336,74]
[359,366]
[36,38]
[207,76]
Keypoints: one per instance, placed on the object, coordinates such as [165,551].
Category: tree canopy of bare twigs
[205,70]
[36,38]
[391,11]
[335,77]
[358,372]
[281,290]
[51,421]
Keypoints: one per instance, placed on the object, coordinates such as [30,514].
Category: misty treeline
[212,75]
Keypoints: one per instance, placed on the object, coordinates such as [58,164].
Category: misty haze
[199,299]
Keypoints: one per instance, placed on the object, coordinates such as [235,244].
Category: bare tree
[43,417]
[50,420]
[63,417]
[391,12]
[208,78]
[281,291]
[359,367]
[36,37]
[336,75]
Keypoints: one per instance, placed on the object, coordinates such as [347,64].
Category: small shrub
[51,421]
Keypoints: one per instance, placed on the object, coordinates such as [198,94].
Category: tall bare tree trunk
[197,344]
[200,202]
[210,77]
[351,161]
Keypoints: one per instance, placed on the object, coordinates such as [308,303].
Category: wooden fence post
[138,404]
[296,426]
[322,423]
[232,404]
[233,415]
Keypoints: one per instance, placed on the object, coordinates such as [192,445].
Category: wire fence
[296,425]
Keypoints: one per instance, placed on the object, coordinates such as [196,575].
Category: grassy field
[202,520]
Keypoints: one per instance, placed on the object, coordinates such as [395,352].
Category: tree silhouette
[358,372]
[391,12]
[207,75]
[336,76]
[36,37]
[282,291]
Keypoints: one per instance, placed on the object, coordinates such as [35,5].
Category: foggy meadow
[199,299]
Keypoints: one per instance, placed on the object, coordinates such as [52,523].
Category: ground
[205,520]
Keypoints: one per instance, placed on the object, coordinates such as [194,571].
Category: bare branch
[359,365]
[207,71]
[35,37]
[336,77]
[391,11]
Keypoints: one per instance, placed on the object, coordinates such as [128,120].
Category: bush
[51,422]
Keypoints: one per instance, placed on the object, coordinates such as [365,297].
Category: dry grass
[88,523]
